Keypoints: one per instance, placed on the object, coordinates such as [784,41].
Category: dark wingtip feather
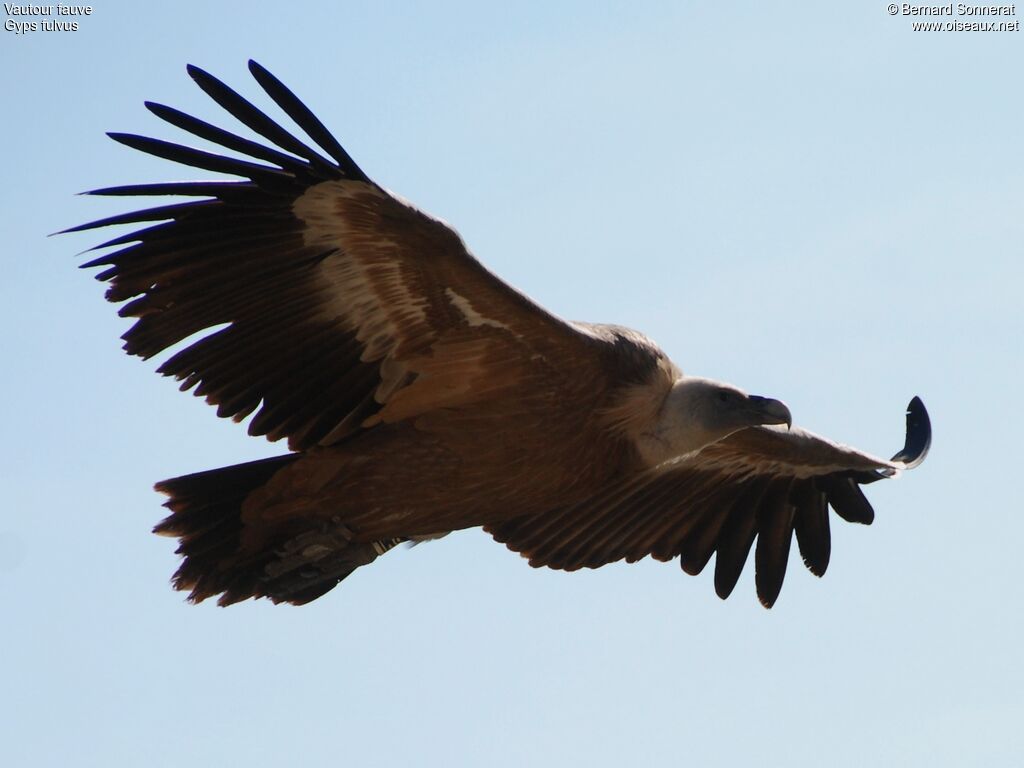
[228,140]
[159,213]
[173,188]
[848,500]
[197,158]
[772,553]
[693,562]
[248,114]
[811,526]
[698,544]
[294,107]
[196,73]
[919,435]
[733,548]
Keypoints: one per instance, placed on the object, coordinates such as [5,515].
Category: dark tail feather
[296,564]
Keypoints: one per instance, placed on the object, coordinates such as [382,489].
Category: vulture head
[697,412]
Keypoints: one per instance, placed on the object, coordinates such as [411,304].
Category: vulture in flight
[420,394]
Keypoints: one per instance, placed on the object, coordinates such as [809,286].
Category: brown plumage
[420,394]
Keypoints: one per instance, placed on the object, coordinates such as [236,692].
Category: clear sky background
[809,200]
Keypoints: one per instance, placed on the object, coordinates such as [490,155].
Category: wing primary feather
[697,544]
[735,540]
[255,119]
[811,527]
[169,238]
[775,534]
[696,548]
[919,435]
[157,213]
[217,189]
[306,120]
[232,141]
[848,500]
[198,158]
[140,235]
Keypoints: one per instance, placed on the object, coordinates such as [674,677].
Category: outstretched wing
[338,305]
[761,483]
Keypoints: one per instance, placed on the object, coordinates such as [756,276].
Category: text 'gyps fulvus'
[420,394]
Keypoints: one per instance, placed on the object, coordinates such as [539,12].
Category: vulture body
[420,394]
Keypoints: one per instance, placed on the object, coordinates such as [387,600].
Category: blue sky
[815,203]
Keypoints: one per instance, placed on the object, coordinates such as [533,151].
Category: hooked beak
[768,411]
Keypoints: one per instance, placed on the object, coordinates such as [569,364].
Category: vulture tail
[294,563]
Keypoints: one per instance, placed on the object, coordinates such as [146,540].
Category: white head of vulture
[420,394]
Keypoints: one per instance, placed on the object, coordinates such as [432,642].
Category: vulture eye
[723,396]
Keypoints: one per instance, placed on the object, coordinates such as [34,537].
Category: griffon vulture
[421,395]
